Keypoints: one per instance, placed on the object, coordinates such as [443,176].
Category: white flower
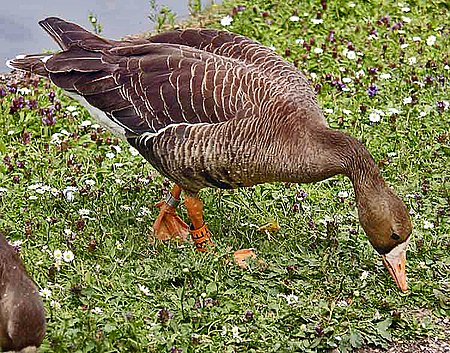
[144,289]
[428,225]
[89,182]
[16,243]
[364,275]
[65,132]
[404,45]
[68,256]
[97,310]
[412,60]
[422,114]
[385,76]
[58,255]
[226,21]
[392,111]
[85,123]
[406,9]
[68,193]
[391,154]
[235,332]
[84,212]
[317,21]
[224,331]
[343,194]
[351,55]
[291,299]
[294,18]
[45,293]
[133,151]
[406,19]
[351,4]
[299,41]
[446,67]
[313,75]
[416,39]
[431,40]
[3,190]
[71,108]
[118,149]
[346,80]
[346,111]
[125,207]
[374,117]
[110,155]
[55,304]
[144,211]
[360,74]
[24,91]
[328,111]
[407,100]
[318,50]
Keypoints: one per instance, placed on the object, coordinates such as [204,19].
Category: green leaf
[382,328]
[356,339]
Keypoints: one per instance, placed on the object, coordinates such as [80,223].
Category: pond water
[21,34]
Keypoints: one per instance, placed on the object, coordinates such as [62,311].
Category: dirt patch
[428,345]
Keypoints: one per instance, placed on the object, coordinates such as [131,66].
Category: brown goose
[211,108]
[22,315]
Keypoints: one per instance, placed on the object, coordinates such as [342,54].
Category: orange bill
[395,262]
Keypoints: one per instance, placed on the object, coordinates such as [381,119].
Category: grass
[317,284]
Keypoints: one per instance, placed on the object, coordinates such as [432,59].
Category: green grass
[340,296]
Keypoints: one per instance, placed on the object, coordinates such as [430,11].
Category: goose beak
[395,262]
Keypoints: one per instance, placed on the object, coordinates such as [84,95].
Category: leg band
[201,238]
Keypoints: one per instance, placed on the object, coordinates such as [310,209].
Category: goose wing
[231,45]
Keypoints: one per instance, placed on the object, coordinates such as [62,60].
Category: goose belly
[202,156]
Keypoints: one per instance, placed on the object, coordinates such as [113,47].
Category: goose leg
[199,231]
[201,234]
[169,225]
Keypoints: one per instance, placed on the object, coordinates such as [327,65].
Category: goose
[210,108]
[22,315]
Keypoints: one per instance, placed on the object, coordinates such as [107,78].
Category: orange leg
[200,233]
[169,225]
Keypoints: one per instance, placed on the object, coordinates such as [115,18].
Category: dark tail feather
[67,33]
[34,63]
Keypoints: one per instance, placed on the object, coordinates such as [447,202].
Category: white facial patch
[394,255]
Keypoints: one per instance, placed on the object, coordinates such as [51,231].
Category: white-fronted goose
[22,315]
[211,108]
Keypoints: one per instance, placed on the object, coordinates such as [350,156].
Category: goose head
[385,219]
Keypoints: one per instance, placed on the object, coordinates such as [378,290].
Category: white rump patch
[100,116]
[20,56]
[45,58]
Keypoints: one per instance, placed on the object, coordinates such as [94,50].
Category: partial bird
[22,315]
[210,108]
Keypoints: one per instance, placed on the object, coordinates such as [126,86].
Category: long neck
[322,153]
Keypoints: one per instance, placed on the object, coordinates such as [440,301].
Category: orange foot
[168,225]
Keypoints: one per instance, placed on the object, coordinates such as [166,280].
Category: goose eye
[395,236]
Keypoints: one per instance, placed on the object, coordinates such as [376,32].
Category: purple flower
[32,104]
[51,96]
[2,92]
[164,315]
[49,120]
[441,106]
[301,196]
[240,8]
[372,90]
[373,70]
[12,88]
[330,37]
[20,164]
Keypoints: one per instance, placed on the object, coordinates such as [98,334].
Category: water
[21,34]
